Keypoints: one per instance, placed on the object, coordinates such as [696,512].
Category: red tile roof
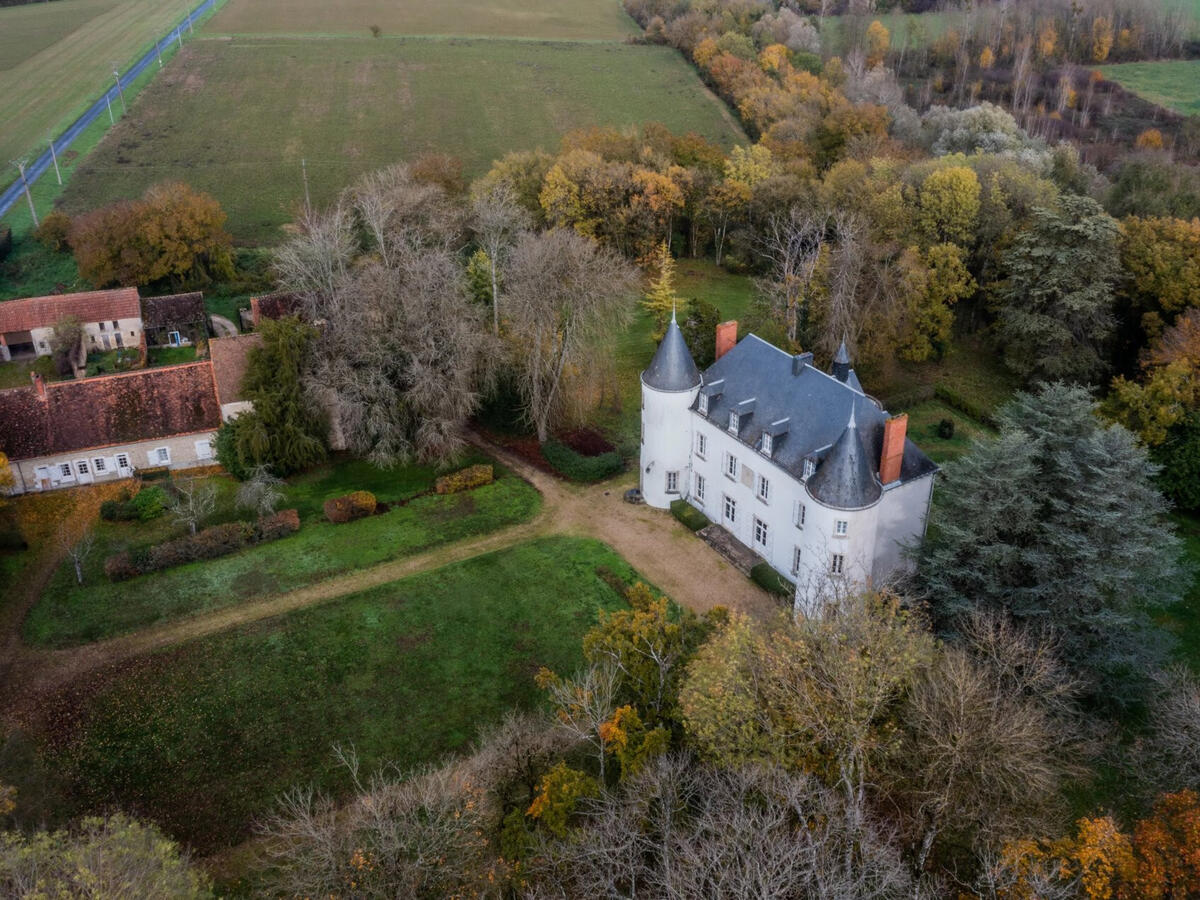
[92,306]
[230,357]
[274,306]
[113,409]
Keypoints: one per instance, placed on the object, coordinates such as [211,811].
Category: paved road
[12,195]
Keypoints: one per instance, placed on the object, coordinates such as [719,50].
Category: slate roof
[90,306]
[846,477]
[113,409]
[173,311]
[817,407]
[672,368]
[230,358]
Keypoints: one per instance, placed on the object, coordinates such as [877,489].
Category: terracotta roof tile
[92,306]
[230,358]
[113,409]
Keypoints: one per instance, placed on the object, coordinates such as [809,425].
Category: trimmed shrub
[356,505]
[150,503]
[577,467]
[281,524]
[965,405]
[362,504]
[687,514]
[771,581]
[465,479]
[53,231]
[945,429]
[120,567]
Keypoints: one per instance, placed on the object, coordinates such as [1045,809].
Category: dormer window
[767,442]
[733,421]
[809,468]
[703,405]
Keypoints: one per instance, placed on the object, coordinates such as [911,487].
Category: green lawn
[171,356]
[923,421]
[1173,84]
[553,19]
[203,737]
[349,106]
[16,373]
[69,614]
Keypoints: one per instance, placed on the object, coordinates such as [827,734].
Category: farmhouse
[111,319]
[799,465]
[176,320]
[94,429]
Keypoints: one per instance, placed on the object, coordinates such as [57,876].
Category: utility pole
[108,103]
[20,164]
[158,50]
[188,15]
[179,36]
[54,156]
[304,171]
[120,90]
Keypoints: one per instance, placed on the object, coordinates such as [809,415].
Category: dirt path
[661,549]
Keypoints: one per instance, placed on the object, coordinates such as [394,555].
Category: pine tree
[661,300]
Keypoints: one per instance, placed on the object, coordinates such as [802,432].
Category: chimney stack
[726,337]
[894,431]
[38,385]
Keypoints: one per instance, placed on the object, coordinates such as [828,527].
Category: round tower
[669,387]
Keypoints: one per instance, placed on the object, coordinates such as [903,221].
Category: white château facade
[797,464]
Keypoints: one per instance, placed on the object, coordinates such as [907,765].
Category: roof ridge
[148,370]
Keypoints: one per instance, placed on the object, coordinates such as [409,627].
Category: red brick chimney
[255,311]
[38,385]
[726,337]
[894,431]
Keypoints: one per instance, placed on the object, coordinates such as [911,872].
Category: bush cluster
[771,581]
[355,505]
[687,514]
[465,479]
[577,467]
[219,540]
[965,405]
[150,503]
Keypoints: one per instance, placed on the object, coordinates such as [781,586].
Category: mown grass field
[69,614]
[56,58]
[1173,84]
[204,737]
[236,117]
[558,19]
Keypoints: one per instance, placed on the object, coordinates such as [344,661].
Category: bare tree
[1168,757]
[260,492]
[584,703]
[497,220]
[193,502]
[76,549]
[567,296]
[791,242]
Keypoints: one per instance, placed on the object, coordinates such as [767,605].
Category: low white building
[797,464]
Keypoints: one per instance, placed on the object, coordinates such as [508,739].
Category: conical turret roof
[845,479]
[841,363]
[672,368]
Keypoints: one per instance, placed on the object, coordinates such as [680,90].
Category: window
[173,338]
[766,444]
[700,488]
[120,340]
[795,560]
[837,564]
[122,461]
[764,489]
[733,421]
[160,456]
[204,450]
[44,345]
[760,532]
[103,326]
[809,468]
[93,338]
[730,510]
[116,325]
[64,469]
[731,468]
[840,527]
[800,513]
[703,405]
[672,482]
[701,445]
[99,465]
[82,466]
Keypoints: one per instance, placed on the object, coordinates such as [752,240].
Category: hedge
[771,581]
[687,514]
[150,503]
[355,505]
[219,540]
[965,405]
[577,467]
[465,479]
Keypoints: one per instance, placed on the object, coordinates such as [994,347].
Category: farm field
[1173,84]
[70,614]
[557,19]
[349,106]
[55,58]
[203,738]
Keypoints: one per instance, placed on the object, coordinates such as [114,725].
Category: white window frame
[702,405]
[123,461]
[204,449]
[99,465]
[66,472]
[767,444]
[809,468]
[699,487]
[761,532]
[797,554]
[83,467]
[701,445]
[673,482]
[801,514]
[763,491]
[837,564]
[174,339]
[160,456]
[733,421]
[731,466]
[841,528]
[729,510]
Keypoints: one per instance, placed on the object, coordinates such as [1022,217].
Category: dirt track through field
[664,552]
